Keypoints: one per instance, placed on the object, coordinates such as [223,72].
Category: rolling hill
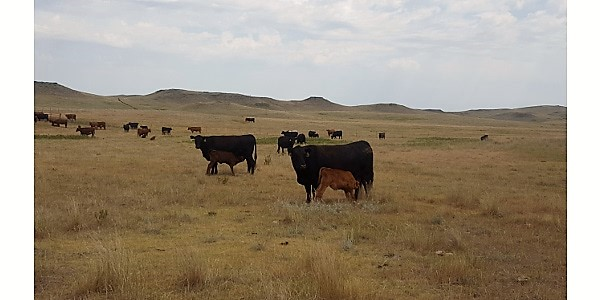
[49,96]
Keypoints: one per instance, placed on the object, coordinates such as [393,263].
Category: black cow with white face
[239,145]
[356,157]
[285,143]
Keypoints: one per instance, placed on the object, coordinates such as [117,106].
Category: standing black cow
[166,130]
[284,142]
[336,134]
[239,145]
[381,135]
[356,157]
[133,125]
[313,134]
[126,127]
[301,138]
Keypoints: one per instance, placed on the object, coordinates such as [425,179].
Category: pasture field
[449,216]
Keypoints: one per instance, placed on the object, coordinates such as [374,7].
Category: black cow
[290,133]
[356,157]
[382,135]
[484,137]
[301,138]
[126,127]
[336,134]
[313,134]
[284,142]
[166,130]
[41,116]
[239,145]
[250,119]
[133,125]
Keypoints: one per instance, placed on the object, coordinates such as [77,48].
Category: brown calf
[71,117]
[337,180]
[330,131]
[86,130]
[143,132]
[98,125]
[192,129]
[222,157]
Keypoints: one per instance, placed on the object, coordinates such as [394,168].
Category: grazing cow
[381,135]
[86,130]
[484,137]
[192,129]
[144,126]
[126,127]
[133,125]
[222,157]
[166,130]
[337,180]
[41,116]
[98,125]
[356,157]
[301,139]
[285,142]
[313,134]
[290,133]
[71,117]
[143,132]
[336,134]
[239,145]
[56,121]
[330,131]
[250,119]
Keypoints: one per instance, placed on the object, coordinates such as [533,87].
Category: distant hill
[49,95]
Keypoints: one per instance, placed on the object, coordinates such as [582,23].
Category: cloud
[404,64]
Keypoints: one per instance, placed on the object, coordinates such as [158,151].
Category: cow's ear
[307,153]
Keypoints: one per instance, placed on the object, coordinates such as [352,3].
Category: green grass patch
[59,137]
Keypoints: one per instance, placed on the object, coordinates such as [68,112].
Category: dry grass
[121,217]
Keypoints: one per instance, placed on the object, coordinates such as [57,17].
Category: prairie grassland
[449,216]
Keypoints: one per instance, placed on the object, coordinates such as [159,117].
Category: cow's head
[300,156]
[198,140]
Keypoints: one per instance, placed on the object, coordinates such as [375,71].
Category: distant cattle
[484,137]
[222,157]
[71,117]
[313,134]
[57,121]
[330,131]
[126,127]
[239,145]
[86,130]
[290,133]
[193,129]
[285,143]
[153,138]
[336,134]
[143,132]
[133,125]
[301,138]
[166,130]
[41,116]
[250,119]
[337,180]
[356,157]
[98,125]
[381,135]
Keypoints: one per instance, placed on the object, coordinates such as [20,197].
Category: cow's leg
[209,168]
[251,164]
[231,167]
[320,191]
[308,190]
[214,169]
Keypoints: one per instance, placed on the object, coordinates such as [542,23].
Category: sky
[453,55]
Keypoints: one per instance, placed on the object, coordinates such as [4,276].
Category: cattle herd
[346,167]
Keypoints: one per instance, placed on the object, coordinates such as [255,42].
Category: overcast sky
[449,54]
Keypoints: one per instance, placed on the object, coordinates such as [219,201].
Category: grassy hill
[55,97]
